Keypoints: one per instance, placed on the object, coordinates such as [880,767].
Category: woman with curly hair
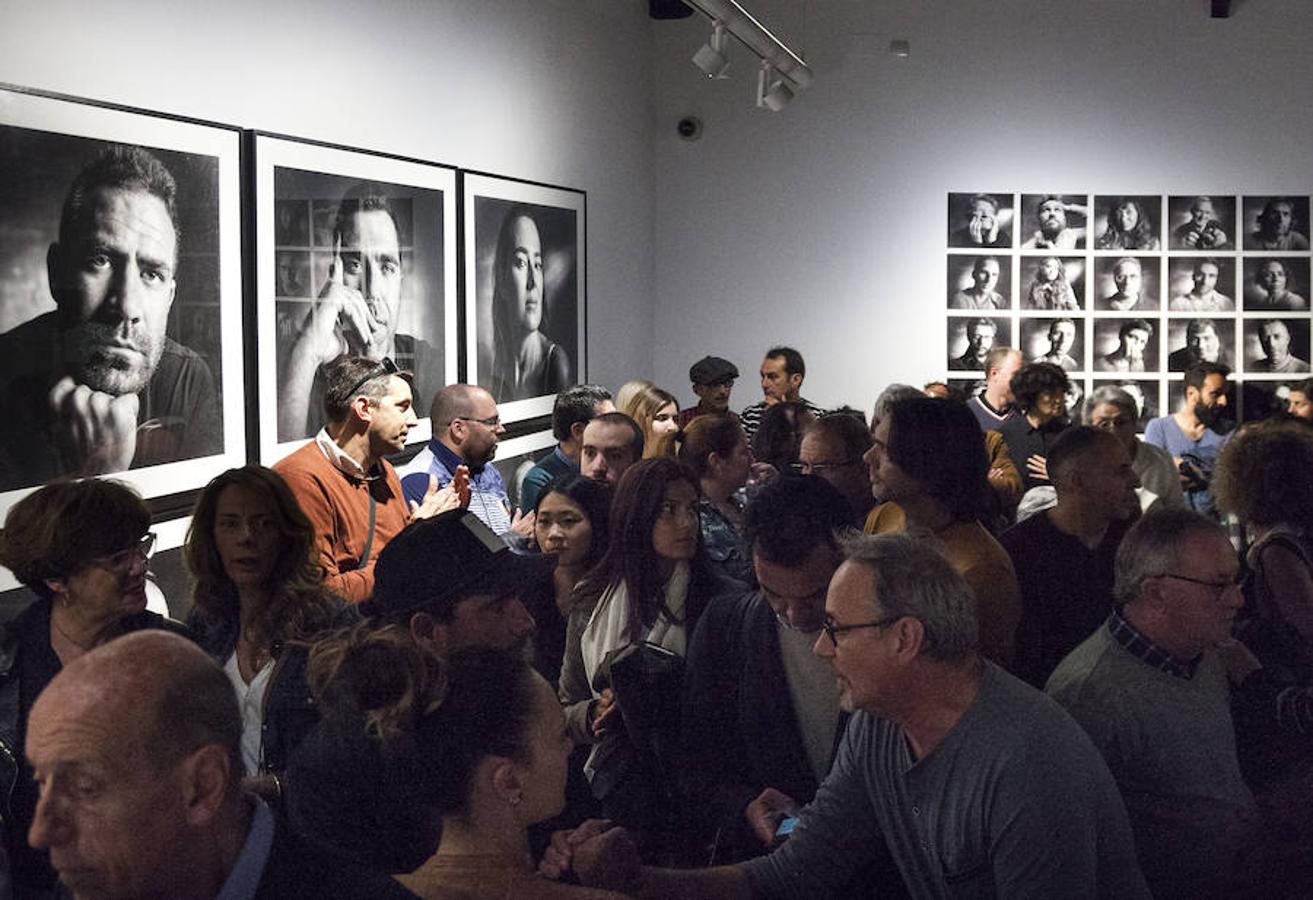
[1129,228]
[1050,289]
[258,589]
[1263,477]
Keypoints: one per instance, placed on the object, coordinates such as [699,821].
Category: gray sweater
[1170,744]
[1014,803]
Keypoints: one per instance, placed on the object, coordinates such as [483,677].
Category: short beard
[83,346]
[1051,228]
[1209,415]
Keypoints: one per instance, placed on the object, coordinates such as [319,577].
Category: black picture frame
[305,195]
[494,209]
[186,375]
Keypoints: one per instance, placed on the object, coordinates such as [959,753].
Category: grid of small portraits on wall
[1132,290]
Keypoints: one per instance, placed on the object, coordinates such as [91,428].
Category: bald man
[136,750]
[466,429]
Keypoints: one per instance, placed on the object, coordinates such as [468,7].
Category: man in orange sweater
[347,489]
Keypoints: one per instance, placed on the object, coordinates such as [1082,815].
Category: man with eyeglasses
[1151,689]
[976,784]
[761,711]
[466,428]
[832,447]
[348,490]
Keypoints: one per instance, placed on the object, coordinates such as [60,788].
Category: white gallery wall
[557,91]
[823,225]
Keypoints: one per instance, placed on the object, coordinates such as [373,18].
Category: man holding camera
[1194,433]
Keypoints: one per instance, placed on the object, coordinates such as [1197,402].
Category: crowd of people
[960,647]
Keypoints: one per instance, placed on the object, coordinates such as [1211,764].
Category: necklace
[68,637]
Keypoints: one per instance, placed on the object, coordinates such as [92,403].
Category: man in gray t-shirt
[979,785]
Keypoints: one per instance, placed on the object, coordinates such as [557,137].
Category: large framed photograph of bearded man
[120,296]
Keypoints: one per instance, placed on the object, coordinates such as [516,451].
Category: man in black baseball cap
[455,584]
[713,379]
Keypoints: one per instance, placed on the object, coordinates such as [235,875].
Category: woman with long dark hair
[525,362]
[571,521]
[651,586]
[257,588]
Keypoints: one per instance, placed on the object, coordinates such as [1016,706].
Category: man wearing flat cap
[456,584]
[713,380]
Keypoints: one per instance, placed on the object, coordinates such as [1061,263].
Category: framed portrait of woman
[525,290]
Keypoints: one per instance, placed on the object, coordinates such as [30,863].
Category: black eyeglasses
[490,422]
[385,367]
[122,560]
[806,468]
[833,631]
[1220,587]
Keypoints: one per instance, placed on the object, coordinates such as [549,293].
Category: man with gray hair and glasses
[1151,690]
[977,785]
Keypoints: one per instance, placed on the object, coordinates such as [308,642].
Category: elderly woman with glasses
[82,548]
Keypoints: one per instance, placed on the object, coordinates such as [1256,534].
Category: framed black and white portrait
[1054,283]
[1276,222]
[1276,283]
[1060,341]
[1054,221]
[982,283]
[516,456]
[966,388]
[525,291]
[1201,339]
[970,338]
[981,221]
[1143,391]
[1201,284]
[1276,346]
[1126,345]
[1128,222]
[355,254]
[1204,222]
[120,296]
[1128,284]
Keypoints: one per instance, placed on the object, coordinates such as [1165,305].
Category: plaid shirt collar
[1145,650]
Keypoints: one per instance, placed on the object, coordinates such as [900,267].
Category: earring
[515,800]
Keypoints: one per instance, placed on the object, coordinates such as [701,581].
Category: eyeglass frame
[832,631]
[818,468]
[387,367]
[121,560]
[1219,586]
[490,422]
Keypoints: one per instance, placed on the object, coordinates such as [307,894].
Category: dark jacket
[289,707]
[740,731]
[31,869]
[296,870]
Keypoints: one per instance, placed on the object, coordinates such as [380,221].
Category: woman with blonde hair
[657,413]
